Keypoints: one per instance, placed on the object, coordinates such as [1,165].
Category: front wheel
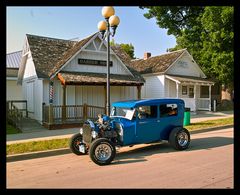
[102,151]
[179,138]
[75,142]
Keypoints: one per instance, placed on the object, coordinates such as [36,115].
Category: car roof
[145,102]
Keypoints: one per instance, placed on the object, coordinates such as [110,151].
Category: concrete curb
[41,154]
[38,154]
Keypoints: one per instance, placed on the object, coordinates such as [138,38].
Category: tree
[128,48]
[207,33]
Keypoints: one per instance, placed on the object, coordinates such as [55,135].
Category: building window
[191,92]
[147,112]
[167,110]
[184,90]
[204,92]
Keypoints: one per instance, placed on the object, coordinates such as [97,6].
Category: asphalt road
[208,163]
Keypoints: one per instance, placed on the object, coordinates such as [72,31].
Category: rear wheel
[75,142]
[102,151]
[179,138]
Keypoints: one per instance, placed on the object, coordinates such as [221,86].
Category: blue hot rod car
[130,123]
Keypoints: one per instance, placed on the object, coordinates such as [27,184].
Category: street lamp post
[104,27]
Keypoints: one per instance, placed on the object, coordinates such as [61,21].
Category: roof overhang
[88,78]
[189,80]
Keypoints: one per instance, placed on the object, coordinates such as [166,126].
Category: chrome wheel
[103,152]
[182,138]
[74,142]
[77,142]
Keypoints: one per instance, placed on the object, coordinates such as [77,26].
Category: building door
[30,96]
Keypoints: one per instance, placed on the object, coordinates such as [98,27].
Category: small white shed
[175,75]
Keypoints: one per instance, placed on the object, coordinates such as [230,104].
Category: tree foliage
[207,33]
[128,48]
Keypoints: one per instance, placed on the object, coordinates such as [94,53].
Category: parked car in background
[130,123]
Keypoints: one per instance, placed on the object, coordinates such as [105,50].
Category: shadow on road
[139,154]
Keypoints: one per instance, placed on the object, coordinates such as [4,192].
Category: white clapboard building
[64,81]
[175,75]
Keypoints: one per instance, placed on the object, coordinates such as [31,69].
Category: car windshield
[127,113]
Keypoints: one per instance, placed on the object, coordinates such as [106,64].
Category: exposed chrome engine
[104,127]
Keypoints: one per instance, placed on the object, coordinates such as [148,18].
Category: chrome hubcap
[182,138]
[103,152]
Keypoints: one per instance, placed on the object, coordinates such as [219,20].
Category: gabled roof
[14,59]
[125,58]
[156,64]
[50,54]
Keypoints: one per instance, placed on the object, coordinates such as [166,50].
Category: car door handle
[158,121]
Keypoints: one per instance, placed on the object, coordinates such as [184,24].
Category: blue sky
[80,22]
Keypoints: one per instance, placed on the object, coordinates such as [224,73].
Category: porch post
[210,95]
[64,104]
[195,94]
[50,114]
[177,87]
[139,92]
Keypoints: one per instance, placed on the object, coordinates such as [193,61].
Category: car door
[147,124]
[168,117]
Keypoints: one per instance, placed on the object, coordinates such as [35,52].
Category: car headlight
[94,134]
[81,130]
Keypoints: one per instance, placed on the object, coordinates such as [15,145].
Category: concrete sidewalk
[200,116]
[67,133]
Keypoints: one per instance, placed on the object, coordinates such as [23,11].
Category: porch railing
[21,105]
[55,114]
[14,114]
[204,104]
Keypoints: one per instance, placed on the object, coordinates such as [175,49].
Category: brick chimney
[146,55]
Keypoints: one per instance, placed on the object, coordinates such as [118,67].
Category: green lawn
[209,124]
[63,143]
[12,130]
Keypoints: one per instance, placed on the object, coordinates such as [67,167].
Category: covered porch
[68,113]
[196,92]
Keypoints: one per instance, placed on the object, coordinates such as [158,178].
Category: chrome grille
[87,137]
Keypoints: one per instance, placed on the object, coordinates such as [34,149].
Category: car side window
[147,112]
[167,110]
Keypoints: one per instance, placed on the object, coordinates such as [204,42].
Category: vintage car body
[132,122]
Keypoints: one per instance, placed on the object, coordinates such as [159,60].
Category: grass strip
[209,124]
[34,146]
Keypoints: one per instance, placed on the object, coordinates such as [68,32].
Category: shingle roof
[157,63]
[187,79]
[46,52]
[50,54]
[88,78]
[125,58]
[14,59]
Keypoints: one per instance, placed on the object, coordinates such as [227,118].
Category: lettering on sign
[94,62]
[182,64]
